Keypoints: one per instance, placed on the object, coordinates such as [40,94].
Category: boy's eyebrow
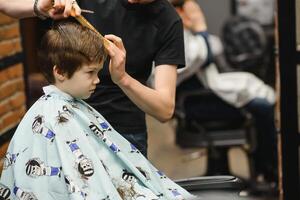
[94,67]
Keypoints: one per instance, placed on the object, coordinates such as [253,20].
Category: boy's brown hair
[69,45]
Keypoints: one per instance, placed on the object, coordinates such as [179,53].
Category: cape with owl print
[64,149]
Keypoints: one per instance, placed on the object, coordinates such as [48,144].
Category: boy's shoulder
[47,106]
[48,102]
[43,113]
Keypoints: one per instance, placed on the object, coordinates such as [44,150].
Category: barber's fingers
[76,10]
[71,8]
[56,8]
[58,4]
[68,7]
[116,41]
[117,53]
[64,8]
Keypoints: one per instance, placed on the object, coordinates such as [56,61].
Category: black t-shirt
[150,33]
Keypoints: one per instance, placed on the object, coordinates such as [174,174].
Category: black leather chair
[214,187]
[205,120]
[247,46]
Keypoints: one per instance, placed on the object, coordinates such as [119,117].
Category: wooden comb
[85,23]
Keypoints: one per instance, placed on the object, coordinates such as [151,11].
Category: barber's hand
[193,16]
[57,9]
[117,54]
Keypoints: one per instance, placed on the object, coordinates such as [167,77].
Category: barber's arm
[43,8]
[17,8]
[158,102]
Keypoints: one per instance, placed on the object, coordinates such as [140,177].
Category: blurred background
[222,141]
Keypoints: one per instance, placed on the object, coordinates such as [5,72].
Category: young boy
[63,148]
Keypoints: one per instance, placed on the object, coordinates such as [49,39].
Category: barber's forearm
[159,104]
[17,8]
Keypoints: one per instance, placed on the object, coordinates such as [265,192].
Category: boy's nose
[97,80]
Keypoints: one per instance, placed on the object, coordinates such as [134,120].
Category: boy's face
[83,82]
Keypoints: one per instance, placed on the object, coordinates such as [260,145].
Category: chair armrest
[211,182]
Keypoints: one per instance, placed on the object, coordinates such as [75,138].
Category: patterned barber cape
[64,149]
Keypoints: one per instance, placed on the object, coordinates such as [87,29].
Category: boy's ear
[58,75]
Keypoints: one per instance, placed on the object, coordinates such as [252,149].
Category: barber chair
[221,188]
[247,46]
[213,187]
[205,120]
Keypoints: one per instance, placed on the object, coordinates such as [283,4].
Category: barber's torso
[144,31]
